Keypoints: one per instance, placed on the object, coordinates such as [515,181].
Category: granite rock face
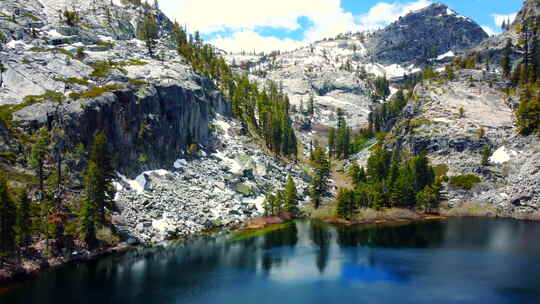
[151,110]
[425,34]
[431,123]
[98,76]
[223,186]
[338,72]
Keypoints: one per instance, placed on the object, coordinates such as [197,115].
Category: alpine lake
[460,260]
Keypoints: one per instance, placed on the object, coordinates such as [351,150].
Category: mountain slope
[467,120]
[425,34]
[340,72]
[81,67]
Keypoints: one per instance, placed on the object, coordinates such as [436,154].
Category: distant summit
[424,34]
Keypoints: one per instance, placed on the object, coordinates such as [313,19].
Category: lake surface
[455,261]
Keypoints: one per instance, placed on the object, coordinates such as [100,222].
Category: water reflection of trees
[321,237]
[188,268]
[287,237]
[410,236]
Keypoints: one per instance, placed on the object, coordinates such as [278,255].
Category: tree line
[389,180]
[263,111]
[526,75]
[283,201]
[51,216]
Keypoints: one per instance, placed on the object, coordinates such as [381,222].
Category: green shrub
[56,49]
[440,170]
[465,182]
[38,49]
[143,158]
[131,62]
[415,123]
[105,43]
[103,68]
[34,18]
[80,54]
[71,17]
[62,51]
[16,176]
[138,83]
[73,80]
[6,111]
[9,156]
[97,91]
[244,189]
[106,235]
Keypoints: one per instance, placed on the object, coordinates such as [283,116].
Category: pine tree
[38,155]
[450,72]
[89,214]
[528,113]
[149,32]
[7,222]
[362,176]
[402,193]
[105,190]
[461,112]
[345,203]
[525,36]
[319,183]
[332,142]
[291,197]
[423,174]
[311,106]
[393,174]
[486,153]
[354,172]
[481,132]
[99,192]
[24,220]
[427,199]
[382,87]
[179,36]
[2,71]
[379,164]
[279,202]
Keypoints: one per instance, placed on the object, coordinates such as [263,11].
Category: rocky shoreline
[11,276]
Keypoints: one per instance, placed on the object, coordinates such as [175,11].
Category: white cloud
[489,30]
[248,40]
[244,17]
[498,19]
[384,13]
[210,15]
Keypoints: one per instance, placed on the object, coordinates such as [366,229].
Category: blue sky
[265,25]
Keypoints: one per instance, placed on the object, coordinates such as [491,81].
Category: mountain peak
[437,9]
[426,33]
[434,6]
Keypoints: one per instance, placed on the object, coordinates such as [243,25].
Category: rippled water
[455,261]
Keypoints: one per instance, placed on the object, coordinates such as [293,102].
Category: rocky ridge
[432,123]
[425,34]
[97,75]
[148,108]
[336,72]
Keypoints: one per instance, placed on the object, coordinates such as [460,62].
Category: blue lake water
[455,261]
